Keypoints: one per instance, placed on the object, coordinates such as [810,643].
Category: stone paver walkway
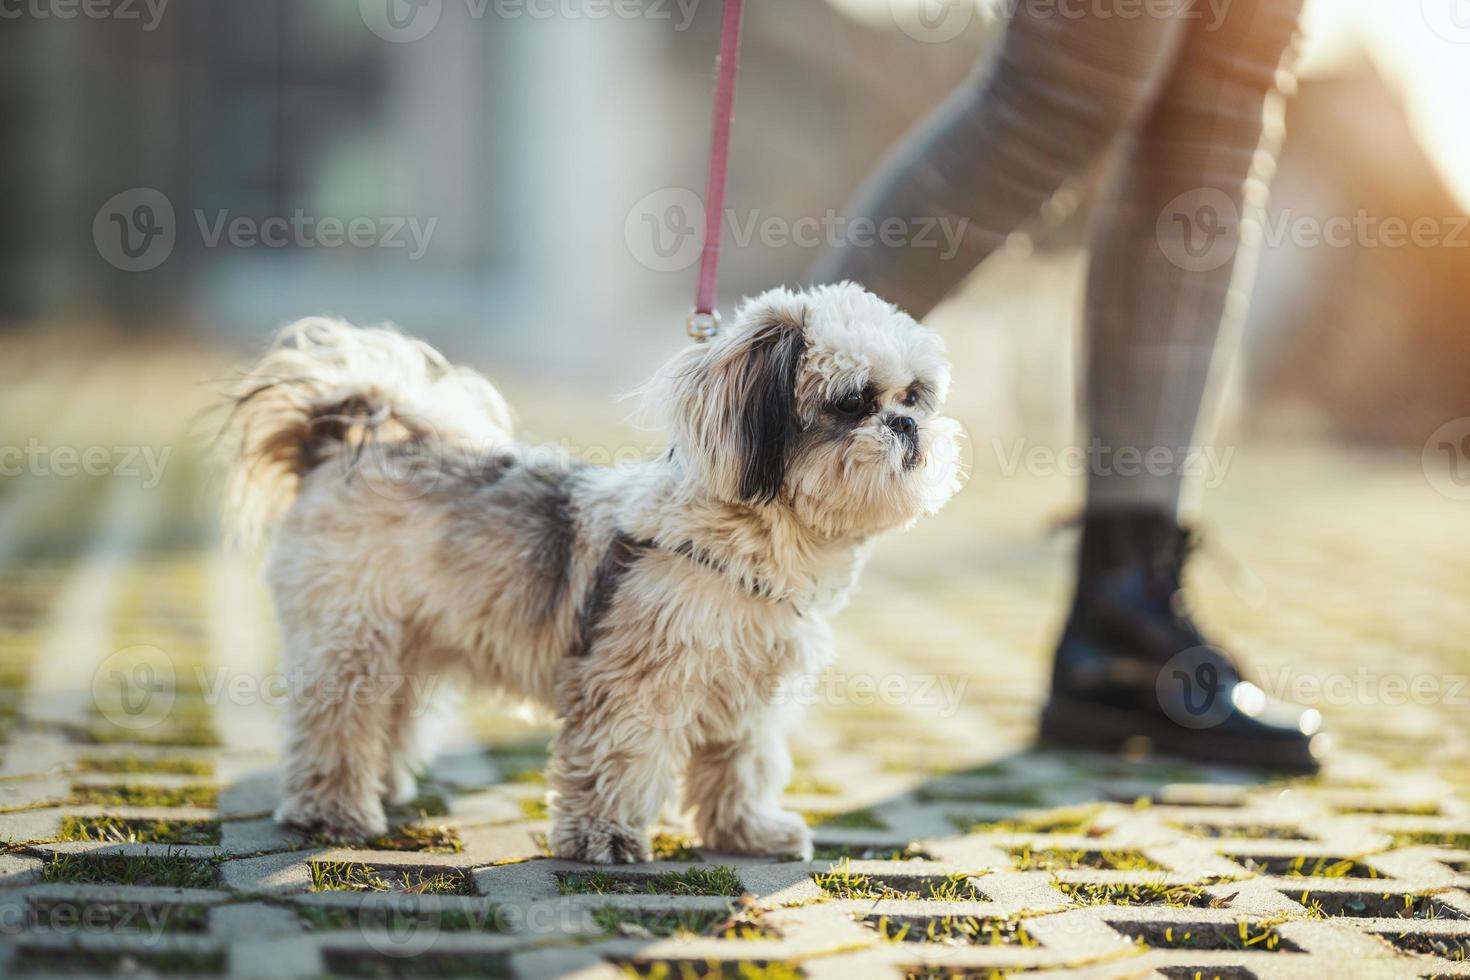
[136,745]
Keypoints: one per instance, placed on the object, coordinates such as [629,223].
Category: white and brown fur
[660,609]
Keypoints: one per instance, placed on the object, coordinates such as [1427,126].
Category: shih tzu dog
[658,609]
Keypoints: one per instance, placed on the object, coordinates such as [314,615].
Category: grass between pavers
[134,794]
[1453,948]
[1147,893]
[711,970]
[351,876]
[534,808]
[1067,820]
[967,930]
[843,882]
[117,917]
[134,764]
[320,918]
[121,830]
[716,879]
[520,767]
[1062,859]
[1427,808]
[1459,840]
[161,871]
[423,839]
[190,725]
[673,847]
[363,963]
[1242,936]
[429,803]
[870,852]
[1029,796]
[1306,867]
[812,786]
[1254,831]
[744,922]
[1374,905]
[111,962]
[864,819]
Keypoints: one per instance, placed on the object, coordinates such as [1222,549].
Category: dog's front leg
[610,772]
[734,789]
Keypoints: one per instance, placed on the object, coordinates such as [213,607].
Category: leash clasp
[703,326]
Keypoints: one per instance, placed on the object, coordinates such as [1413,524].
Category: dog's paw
[600,842]
[340,823]
[771,832]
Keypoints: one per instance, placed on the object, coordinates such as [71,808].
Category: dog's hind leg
[339,723]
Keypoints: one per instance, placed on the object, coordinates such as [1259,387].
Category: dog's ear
[734,402]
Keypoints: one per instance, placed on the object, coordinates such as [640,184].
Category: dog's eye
[910,399]
[850,405]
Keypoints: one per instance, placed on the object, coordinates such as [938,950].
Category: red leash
[704,322]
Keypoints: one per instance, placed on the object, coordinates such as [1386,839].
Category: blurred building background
[525,140]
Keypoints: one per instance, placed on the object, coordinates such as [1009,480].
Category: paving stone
[1157,865]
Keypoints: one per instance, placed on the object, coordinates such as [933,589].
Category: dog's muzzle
[907,431]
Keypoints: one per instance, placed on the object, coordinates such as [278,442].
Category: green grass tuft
[132,764]
[132,794]
[713,880]
[1059,859]
[166,871]
[120,830]
[864,819]
[349,876]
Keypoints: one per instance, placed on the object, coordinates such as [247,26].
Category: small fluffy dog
[659,609]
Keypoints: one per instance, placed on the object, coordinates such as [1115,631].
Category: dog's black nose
[904,426]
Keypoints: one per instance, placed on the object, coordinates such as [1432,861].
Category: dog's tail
[327,389]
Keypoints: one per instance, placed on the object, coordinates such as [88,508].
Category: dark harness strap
[622,554]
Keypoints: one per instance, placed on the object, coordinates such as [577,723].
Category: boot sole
[1084,725]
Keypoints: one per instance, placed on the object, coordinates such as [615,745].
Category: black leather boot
[1132,666]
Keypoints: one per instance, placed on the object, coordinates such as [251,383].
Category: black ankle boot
[1133,668]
